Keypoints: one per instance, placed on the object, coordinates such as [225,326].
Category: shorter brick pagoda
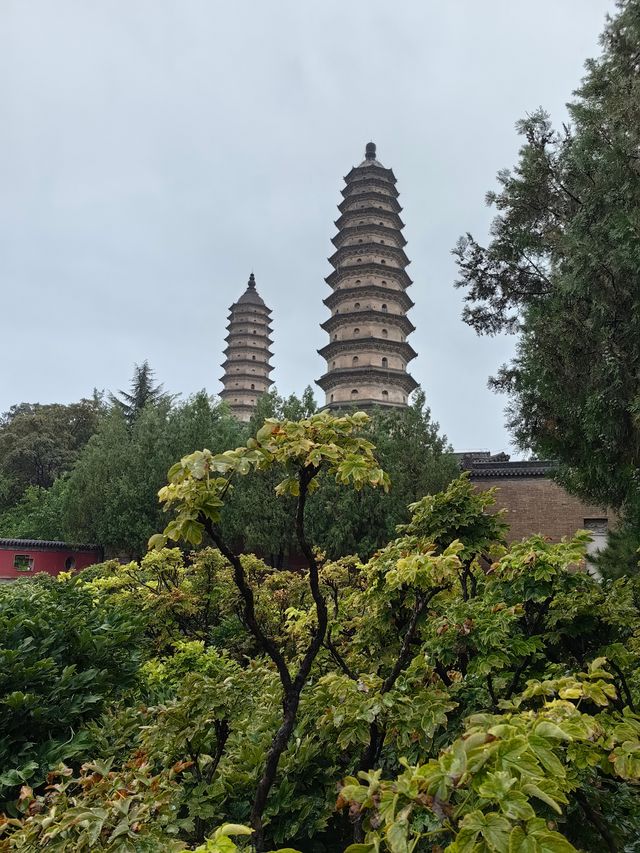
[247,355]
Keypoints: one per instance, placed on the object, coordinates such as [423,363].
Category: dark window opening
[23,563]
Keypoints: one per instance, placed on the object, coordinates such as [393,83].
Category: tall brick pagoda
[246,366]
[368,353]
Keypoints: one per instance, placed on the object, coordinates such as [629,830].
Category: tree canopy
[141,394]
[39,442]
[449,693]
[105,490]
[563,270]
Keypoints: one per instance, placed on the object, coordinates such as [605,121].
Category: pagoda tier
[356,273]
[368,291]
[374,214]
[368,353]
[246,366]
[374,320]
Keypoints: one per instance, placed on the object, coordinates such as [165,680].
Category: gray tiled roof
[506,469]
[46,544]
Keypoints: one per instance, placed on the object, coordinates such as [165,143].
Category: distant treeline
[90,471]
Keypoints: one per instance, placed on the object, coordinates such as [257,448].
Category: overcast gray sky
[154,152]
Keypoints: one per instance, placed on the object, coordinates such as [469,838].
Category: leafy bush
[462,695]
[62,656]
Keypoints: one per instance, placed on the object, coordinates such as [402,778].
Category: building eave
[371,268]
[348,200]
[334,348]
[337,297]
[509,470]
[399,320]
[369,211]
[350,230]
[346,376]
[362,173]
[371,182]
[47,545]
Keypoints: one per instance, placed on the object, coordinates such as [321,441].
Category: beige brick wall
[539,505]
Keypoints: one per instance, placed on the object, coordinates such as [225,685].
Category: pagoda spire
[368,352]
[247,354]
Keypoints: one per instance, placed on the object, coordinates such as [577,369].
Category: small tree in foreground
[198,486]
[460,695]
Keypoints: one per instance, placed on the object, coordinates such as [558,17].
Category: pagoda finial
[252,281]
[370,151]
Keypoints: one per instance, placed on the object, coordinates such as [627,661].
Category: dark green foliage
[108,493]
[40,442]
[39,514]
[62,657]
[477,672]
[412,451]
[622,553]
[418,460]
[563,269]
[111,496]
[142,393]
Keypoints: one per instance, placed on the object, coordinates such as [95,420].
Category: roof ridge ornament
[370,151]
[252,281]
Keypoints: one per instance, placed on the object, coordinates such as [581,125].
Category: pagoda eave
[346,203]
[372,269]
[336,297]
[264,368]
[364,171]
[389,233]
[398,224]
[250,336]
[250,377]
[348,252]
[370,184]
[334,348]
[366,374]
[400,321]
